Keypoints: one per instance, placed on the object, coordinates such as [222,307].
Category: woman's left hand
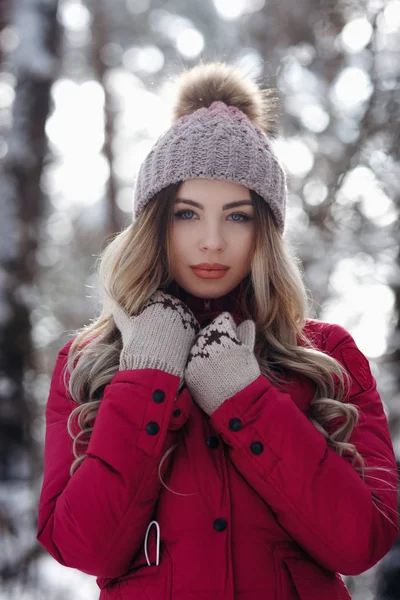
[221,362]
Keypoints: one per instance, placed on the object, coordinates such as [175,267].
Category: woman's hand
[221,362]
[159,337]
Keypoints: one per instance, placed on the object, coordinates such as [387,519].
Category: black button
[212,442]
[235,424]
[177,412]
[257,448]
[220,524]
[158,396]
[152,428]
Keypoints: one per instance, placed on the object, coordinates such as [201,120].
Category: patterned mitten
[159,337]
[221,362]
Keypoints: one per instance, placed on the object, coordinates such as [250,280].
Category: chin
[208,290]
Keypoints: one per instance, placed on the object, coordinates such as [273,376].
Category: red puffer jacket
[262,508]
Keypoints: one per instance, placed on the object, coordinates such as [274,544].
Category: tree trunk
[22,209]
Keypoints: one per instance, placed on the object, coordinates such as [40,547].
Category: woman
[204,438]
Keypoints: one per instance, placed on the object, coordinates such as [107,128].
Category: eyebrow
[225,206]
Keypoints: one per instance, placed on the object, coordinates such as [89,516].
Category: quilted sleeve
[95,520]
[346,524]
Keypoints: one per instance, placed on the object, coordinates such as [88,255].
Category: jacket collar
[205,310]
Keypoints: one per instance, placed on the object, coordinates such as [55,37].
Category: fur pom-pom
[205,83]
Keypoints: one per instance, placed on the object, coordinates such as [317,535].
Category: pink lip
[209,273]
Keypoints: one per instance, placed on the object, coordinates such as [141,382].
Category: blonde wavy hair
[137,262]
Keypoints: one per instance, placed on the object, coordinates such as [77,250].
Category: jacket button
[158,396]
[177,412]
[152,428]
[257,448]
[212,442]
[235,424]
[220,524]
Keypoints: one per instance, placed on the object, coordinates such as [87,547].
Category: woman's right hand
[159,337]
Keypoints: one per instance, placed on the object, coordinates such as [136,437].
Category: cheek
[179,242]
[245,246]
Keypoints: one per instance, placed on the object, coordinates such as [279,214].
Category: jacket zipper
[207,304]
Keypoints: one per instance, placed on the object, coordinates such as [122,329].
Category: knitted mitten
[221,362]
[159,337]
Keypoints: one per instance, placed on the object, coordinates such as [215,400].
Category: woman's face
[207,228]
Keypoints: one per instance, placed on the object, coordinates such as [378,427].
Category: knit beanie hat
[222,129]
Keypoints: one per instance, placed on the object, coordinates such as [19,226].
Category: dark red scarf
[205,310]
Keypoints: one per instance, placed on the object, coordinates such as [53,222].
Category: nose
[211,237]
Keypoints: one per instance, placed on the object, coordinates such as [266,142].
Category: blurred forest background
[85,89]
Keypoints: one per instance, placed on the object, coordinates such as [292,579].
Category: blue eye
[180,214]
[243,218]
